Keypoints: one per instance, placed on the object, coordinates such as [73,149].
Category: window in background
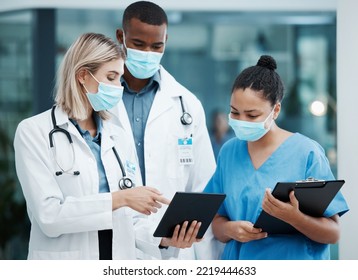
[15,105]
[71,23]
[316,76]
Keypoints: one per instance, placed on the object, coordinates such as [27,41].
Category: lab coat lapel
[163,101]
[63,121]
[120,118]
[165,96]
[110,134]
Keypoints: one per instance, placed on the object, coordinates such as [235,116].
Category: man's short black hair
[146,12]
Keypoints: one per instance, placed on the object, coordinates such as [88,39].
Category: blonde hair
[89,52]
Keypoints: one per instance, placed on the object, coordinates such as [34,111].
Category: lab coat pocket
[123,211]
[69,185]
[129,211]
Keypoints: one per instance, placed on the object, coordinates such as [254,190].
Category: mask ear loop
[93,77]
[85,87]
[124,39]
[269,126]
[83,84]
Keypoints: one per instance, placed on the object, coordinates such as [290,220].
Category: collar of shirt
[99,125]
[153,81]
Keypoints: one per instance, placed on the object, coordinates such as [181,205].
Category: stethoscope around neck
[124,182]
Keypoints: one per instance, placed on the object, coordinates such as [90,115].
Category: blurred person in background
[220,131]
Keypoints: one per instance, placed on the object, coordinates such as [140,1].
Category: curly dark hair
[262,77]
[146,12]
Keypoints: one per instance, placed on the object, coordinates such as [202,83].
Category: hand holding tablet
[189,206]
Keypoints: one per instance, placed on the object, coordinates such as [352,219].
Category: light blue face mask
[250,131]
[107,96]
[142,64]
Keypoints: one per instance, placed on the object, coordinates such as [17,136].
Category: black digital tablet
[313,196]
[189,206]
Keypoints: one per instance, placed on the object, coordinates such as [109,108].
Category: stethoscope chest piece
[125,183]
[186,118]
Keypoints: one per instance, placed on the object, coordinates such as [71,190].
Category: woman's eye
[111,79]
[234,113]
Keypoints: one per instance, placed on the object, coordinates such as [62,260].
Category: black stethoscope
[124,182]
[186,118]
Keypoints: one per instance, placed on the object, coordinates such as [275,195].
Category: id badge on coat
[131,170]
[185,151]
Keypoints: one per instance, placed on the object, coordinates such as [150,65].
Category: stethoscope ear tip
[58,173]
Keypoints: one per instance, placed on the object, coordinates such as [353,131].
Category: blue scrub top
[297,158]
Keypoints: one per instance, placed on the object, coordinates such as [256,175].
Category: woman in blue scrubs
[261,155]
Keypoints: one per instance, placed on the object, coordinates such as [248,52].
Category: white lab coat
[67,211]
[163,171]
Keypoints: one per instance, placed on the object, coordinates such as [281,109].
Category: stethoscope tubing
[124,183]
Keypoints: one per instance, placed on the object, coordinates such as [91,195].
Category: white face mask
[250,131]
[142,64]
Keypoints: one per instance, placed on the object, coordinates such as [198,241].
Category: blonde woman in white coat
[70,162]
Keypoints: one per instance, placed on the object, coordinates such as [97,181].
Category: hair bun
[267,62]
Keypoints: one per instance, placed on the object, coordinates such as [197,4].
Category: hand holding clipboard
[313,197]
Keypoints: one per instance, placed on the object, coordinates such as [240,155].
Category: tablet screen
[189,206]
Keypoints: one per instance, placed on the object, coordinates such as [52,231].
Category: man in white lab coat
[159,114]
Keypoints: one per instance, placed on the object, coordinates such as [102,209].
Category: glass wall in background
[15,104]
[316,86]
[205,52]
[71,23]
